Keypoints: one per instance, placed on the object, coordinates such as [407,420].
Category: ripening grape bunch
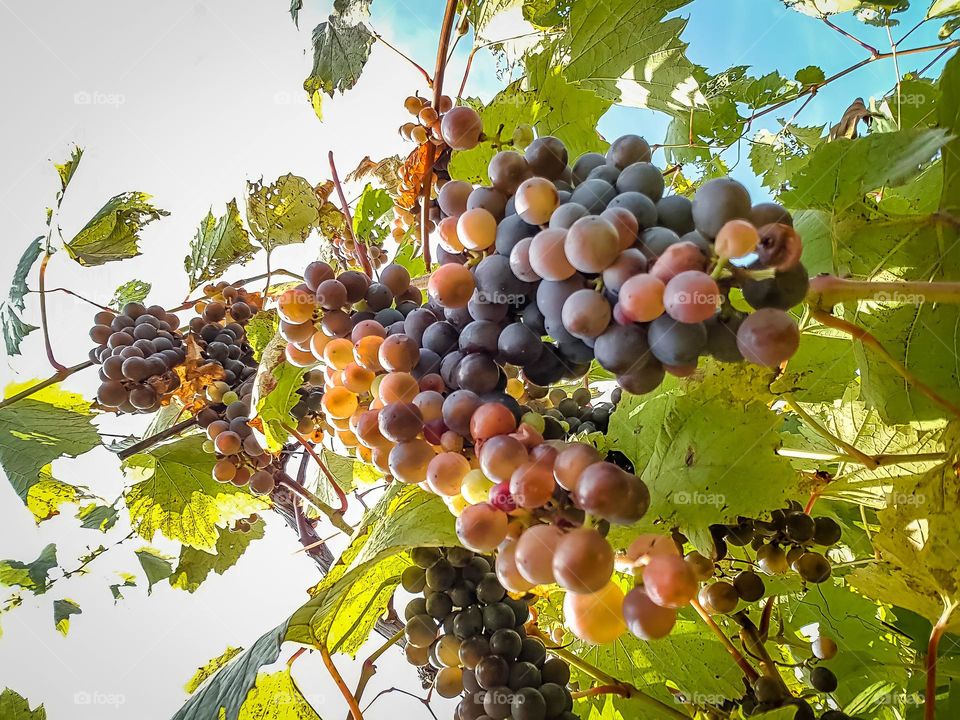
[465,626]
[595,261]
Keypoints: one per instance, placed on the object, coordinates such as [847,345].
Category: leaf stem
[358,244]
[930,698]
[737,656]
[369,668]
[826,291]
[326,471]
[878,460]
[406,57]
[341,685]
[300,491]
[43,310]
[76,295]
[858,333]
[52,380]
[861,457]
[602,690]
[869,48]
[148,442]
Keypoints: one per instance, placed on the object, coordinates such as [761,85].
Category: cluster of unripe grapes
[465,626]
[137,349]
[599,259]
[241,460]
[427,119]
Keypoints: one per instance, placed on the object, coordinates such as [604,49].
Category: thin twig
[52,380]
[869,48]
[896,69]
[336,518]
[424,701]
[858,333]
[358,244]
[748,671]
[930,698]
[402,54]
[602,690]
[369,667]
[338,680]
[43,310]
[326,471]
[148,442]
[826,291]
[76,295]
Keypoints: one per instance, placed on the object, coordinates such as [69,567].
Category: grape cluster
[137,350]
[466,627]
[240,458]
[218,329]
[428,123]
[598,259]
[558,414]
[769,693]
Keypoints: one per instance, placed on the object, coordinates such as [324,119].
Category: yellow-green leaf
[276,697]
[282,213]
[62,610]
[30,576]
[195,565]
[205,671]
[114,232]
[156,566]
[45,497]
[218,245]
[16,707]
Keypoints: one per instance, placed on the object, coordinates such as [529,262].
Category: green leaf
[230,685]
[942,8]
[295,7]
[126,580]
[817,8]
[97,517]
[37,430]
[195,565]
[177,496]
[482,12]
[950,120]
[132,291]
[700,468]
[277,385]
[915,105]
[261,329]
[821,369]
[778,157]
[810,75]
[45,497]
[509,108]
[948,28]
[14,329]
[30,576]
[282,213]
[371,207]
[18,286]
[114,232]
[414,263]
[275,696]
[346,604]
[62,610]
[916,543]
[218,245]
[156,566]
[546,13]
[67,169]
[15,707]
[340,50]
[841,172]
[205,671]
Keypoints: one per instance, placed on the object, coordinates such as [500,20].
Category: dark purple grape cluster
[218,329]
[473,635]
[137,349]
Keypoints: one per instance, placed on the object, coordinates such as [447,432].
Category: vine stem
[336,518]
[738,657]
[930,698]
[326,471]
[341,685]
[869,48]
[76,295]
[402,54]
[43,310]
[878,460]
[628,691]
[52,380]
[602,690]
[858,333]
[826,291]
[149,442]
[446,30]
[814,424]
[853,68]
[369,668]
[359,244]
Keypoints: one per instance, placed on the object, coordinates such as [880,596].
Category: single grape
[749,586]
[534,553]
[451,285]
[717,202]
[547,157]
[646,619]
[719,598]
[823,679]
[593,617]
[482,527]
[691,297]
[536,200]
[676,213]
[583,561]
[779,247]
[461,128]
[592,244]
[641,298]
[586,314]
[824,648]
[769,212]
[768,337]
[627,150]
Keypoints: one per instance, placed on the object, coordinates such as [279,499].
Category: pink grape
[482,527]
[641,298]
[669,581]
[691,297]
[646,619]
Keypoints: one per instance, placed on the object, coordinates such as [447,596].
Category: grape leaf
[218,245]
[821,369]
[950,118]
[509,108]
[114,232]
[408,257]
[347,602]
[818,8]
[275,696]
[18,286]
[917,547]
[282,213]
[546,13]
[132,291]
[45,497]
[778,157]
[914,106]
[567,110]
[261,329]
[62,610]
[276,393]
[126,580]
[196,565]
[39,429]
[482,12]
[177,496]
[340,50]
[230,684]
[295,7]
[841,172]
[156,566]
[207,670]
[67,170]
[14,329]
[371,207]
[699,468]
[942,8]
[810,75]
[16,707]
[30,576]
[97,517]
